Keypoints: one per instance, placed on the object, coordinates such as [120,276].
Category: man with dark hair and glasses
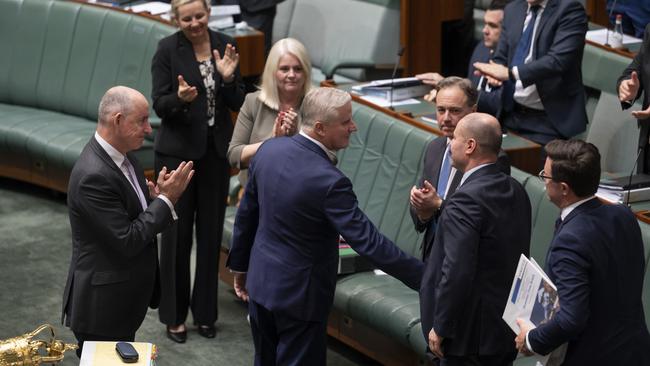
[455,99]
[596,260]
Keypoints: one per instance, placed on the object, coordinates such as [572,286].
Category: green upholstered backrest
[63,56]
[544,215]
[384,161]
[601,69]
[337,30]
[615,132]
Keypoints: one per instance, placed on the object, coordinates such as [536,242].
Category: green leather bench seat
[56,64]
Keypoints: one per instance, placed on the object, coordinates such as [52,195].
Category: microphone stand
[400,52]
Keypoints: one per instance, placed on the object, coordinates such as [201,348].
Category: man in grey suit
[114,217]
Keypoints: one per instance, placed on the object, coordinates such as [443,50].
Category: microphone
[609,17]
[400,52]
[629,182]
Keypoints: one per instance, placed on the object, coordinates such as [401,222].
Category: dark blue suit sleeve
[246,222]
[459,233]
[343,212]
[568,261]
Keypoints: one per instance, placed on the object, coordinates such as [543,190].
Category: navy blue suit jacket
[557,59]
[596,261]
[483,229]
[431,172]
[295,205]
[489,99]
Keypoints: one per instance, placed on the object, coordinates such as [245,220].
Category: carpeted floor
[35,252]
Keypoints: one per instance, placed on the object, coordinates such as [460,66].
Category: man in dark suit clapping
[114,217]
[285,243]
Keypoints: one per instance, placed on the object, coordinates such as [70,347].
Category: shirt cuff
[240,272]
[515,72]
[169,204]
[530,348]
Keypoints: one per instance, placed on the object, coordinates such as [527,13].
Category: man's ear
[118,118]
[471,146]
[319,128]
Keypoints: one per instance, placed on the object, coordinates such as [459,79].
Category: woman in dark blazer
[196,83]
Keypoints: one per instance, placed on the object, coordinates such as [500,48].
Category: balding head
[123,118]
[477,140]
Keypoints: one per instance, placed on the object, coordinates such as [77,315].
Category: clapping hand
[629,88]
[227,64]
[495,73]
[172,184]
[186,93]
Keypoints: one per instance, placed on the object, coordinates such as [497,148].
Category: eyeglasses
[543,177]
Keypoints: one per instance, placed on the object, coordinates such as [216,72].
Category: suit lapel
[139,175]
[518,25]
[587,206]
[191,72]
[438,152]
[101,153]
[216,45]
[548,12]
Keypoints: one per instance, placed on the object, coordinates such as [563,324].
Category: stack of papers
[221,16]
[533,298]
[600,36]
[625,189]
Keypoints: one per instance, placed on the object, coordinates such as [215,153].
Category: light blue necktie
[445,171]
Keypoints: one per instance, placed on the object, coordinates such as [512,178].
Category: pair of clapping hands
[286,123]
[172,183]
[226,67]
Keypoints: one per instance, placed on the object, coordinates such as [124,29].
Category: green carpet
[35,250]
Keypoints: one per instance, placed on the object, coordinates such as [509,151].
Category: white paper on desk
[386,103]
[600,36]
[223,10]
[383,82]
[153,7]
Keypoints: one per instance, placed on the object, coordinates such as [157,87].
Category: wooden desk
[250,42]
[524,154]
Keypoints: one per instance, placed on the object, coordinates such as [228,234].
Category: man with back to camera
[285,241]
[538,60]
[482,231]
[596,261]
[114,217]
[456,98]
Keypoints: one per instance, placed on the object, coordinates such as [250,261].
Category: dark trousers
[202,208]
[82,337]
[476,360]
[533,125]
[284,341]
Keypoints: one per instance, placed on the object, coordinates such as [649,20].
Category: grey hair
[116,100]
[322,104]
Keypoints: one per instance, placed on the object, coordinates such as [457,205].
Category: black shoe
[207,331]
[178,337]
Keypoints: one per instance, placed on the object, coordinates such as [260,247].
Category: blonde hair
[269,87]
[178,3]
[323,104]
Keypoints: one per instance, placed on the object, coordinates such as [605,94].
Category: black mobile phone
[127,353]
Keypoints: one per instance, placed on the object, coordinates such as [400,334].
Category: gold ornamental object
[26,351]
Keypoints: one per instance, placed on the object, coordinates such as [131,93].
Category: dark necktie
[526,40]
[558,222]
